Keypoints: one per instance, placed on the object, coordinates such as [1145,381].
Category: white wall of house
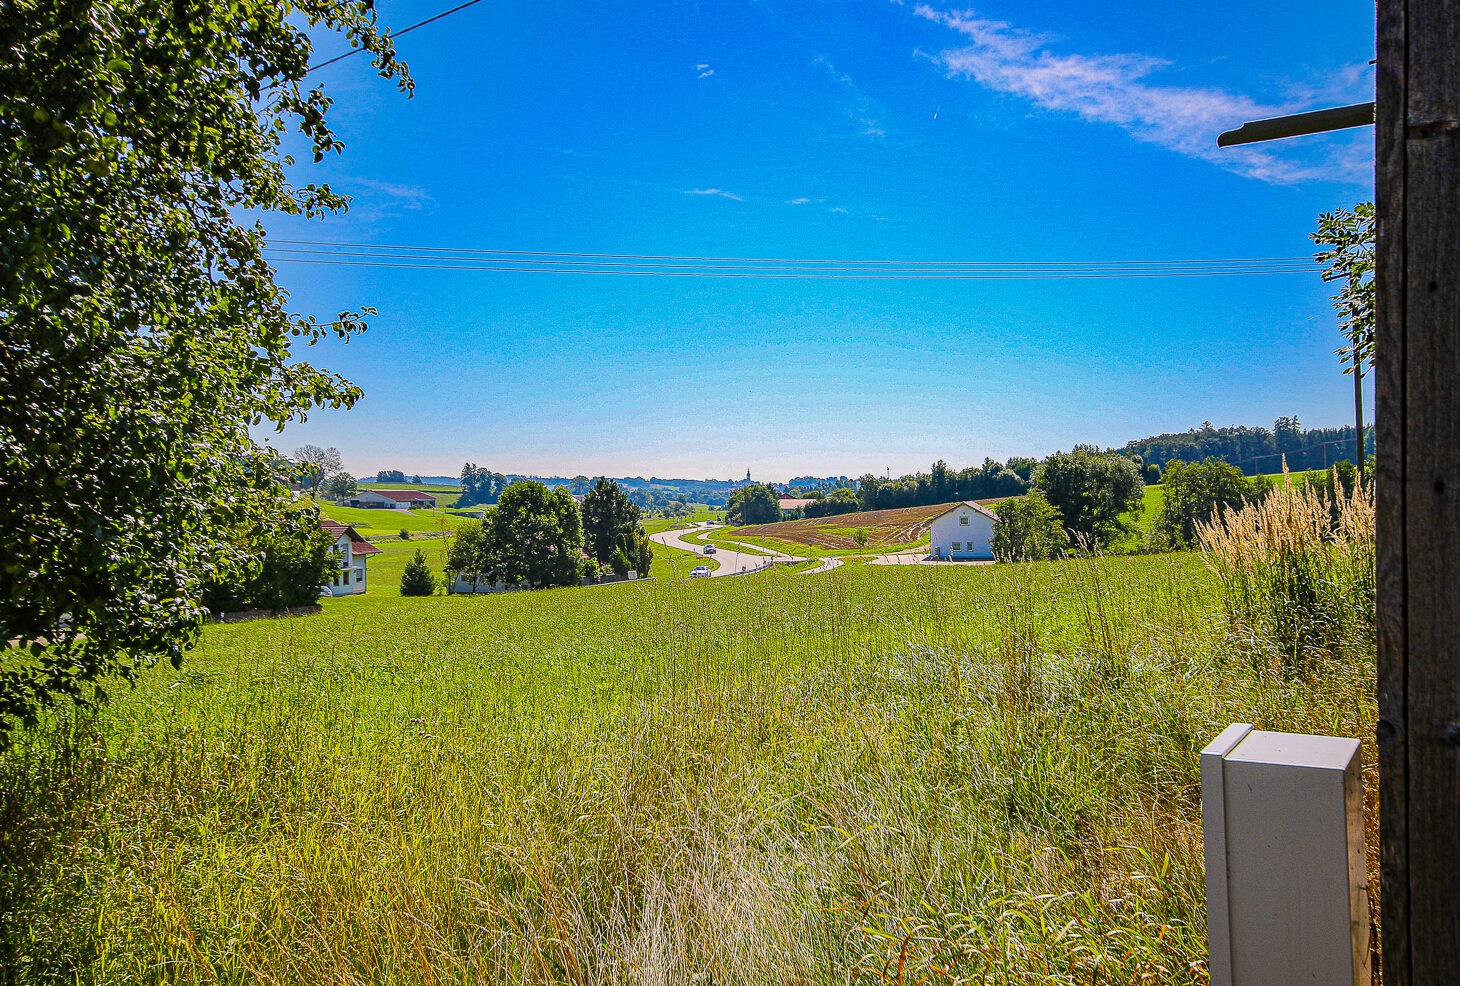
[963,533]
[349,578]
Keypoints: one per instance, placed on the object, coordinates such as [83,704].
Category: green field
[873,775]
[384,523]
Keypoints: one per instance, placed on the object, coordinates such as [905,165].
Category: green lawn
[384,523]
[979,774]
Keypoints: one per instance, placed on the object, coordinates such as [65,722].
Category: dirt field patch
[885,528]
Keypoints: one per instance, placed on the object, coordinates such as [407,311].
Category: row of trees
[480,486]
[1087,499]
[537,537]
[1253,450]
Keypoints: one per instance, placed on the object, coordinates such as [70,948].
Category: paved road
[730,562]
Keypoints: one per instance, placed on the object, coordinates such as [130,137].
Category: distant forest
[1254,450]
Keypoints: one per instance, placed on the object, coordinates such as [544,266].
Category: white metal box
[1287,891]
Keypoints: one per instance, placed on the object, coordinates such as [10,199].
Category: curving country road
[730,562]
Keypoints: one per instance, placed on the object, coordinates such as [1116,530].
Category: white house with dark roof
[389,500]
[964,530]
[351,553]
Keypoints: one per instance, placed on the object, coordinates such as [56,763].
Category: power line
[769,274]
[338,253]
[394,34]
[943,267]
[787,260]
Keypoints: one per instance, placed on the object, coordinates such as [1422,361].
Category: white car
[700,572]
[709,549]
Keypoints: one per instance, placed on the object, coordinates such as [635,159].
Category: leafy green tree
[286,558]
[1195,491]
[141,331]
[755,504]
[340,485]
[1029,529]
[634,552]
[474,554]
[390,476]
[1091,490]
[480,486]
[1347,239]
[538,533]
[608,514]
[417,579]
[316,465]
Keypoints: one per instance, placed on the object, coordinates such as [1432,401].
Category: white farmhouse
[351,553]
[964,530]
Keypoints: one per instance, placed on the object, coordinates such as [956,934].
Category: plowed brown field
[885,528]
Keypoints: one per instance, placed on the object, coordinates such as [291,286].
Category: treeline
[1254,450]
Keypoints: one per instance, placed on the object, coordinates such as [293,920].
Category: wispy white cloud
[837,208]
[1122,90]
[801,201]
[714,191]
[860,109]
[704,70]
[406,196]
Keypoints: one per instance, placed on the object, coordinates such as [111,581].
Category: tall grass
[1297,569]
[875,775]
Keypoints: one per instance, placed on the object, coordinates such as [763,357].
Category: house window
[359,575]
[957,545]
[963,520]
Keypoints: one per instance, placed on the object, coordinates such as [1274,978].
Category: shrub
[1029,529]
[1297,568]
[417,579]
[405,535]
[289,558]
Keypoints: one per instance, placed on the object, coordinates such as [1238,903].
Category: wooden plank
[1389,433]
[1432,550]
[1419,522]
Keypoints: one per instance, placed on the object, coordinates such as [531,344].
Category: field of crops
[874,775]
[886,529]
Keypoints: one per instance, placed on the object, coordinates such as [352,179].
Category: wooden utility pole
[1417,388]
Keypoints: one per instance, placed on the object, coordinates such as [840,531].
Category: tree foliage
[142,329]
[608,514]
[754,504]
[1091,490]
[480,486]
[286,558]
[416,579]
[314,466]
[533,537]
[1347,239]
[390,476]
[1029,529]
[1195,492]
[340,485]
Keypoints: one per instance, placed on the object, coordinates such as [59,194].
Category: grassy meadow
[872,775]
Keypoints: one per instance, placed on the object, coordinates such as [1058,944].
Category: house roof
[977,508]
[791,503]
[358,545]
[403,496]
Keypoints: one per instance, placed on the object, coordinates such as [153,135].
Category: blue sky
[1055,131]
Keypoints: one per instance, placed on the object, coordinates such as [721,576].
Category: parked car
[700,572]
[709,549]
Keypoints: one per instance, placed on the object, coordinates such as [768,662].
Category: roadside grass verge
[872,775]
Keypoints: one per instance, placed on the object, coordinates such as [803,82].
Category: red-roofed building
[790,504]
[390,500]
[352,552]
